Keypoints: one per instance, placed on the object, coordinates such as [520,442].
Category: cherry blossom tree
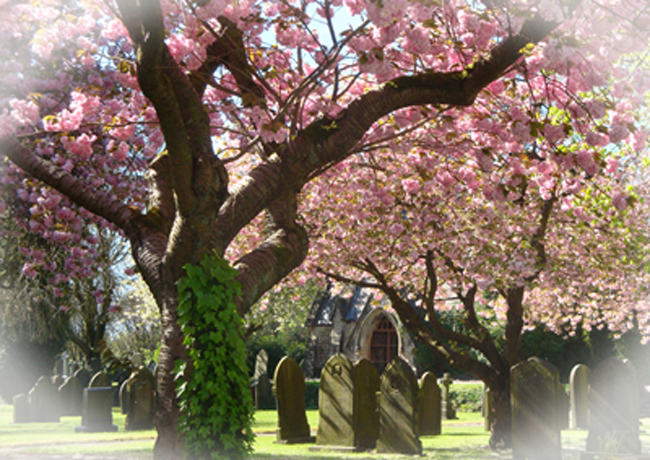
[192,127]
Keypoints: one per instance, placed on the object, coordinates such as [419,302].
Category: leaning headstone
[534,388]
[71,395]
[289,388]
[366,416]
[83,375]
[261,364]
[448,411]
[100,379]
[97,414]
[137,397]
[263,393]
[21,408]
[430,408]
[579,389]
[44,401]
[398,402]
[614,409]
[336,404]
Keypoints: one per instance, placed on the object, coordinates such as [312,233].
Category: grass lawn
[464,438]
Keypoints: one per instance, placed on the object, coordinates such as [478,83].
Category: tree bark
[501,426]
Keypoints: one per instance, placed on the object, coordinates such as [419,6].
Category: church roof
[350,303]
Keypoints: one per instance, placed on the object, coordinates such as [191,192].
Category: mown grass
[464,438]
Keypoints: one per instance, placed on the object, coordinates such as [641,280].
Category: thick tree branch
[77,190]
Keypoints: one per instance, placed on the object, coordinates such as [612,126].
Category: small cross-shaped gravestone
[579,389]
[448,411]
[398,402]
[289,388]
[430,408]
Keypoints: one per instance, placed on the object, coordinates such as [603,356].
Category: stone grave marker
[534,388]
[261,364]
[366,415]
[398,402]
[263,393]
[21,408]
[614,409]
[83,375]
[97,414]
[430,407]
[44,401]
[71,395]
[137,400]
[336,404]
[487,407]
[100,379]
[579,390]
[448,411]
[289,389]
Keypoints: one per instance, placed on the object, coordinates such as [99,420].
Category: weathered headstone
[137,397]
[100,379]
[336,404]
[71,395]
[398,402]
[430,407]
[579,389]
[448,411]
[261,364]
[534,388]
[487,407]
[366,415]
[44,401]
[289,389]
[21,408]
[614,409]
[83,375]
[263,393]
[97,414]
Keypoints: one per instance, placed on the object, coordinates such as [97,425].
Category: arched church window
[383,344]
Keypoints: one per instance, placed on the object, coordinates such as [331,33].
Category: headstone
[336,403]
[289,389]
[366,415]
[71,395]
[398,402]
[430,408]
[137,397]
[448,411]
[614,409]
[579,389]
[534,388]
[21,408]
[44,401]
[83,375]
[487,408]
[563,407]
[261,364]
[57,380]
[263,393]
[97,412]
[137,360]
[100,379]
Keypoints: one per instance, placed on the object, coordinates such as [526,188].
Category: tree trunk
[501,425]
[169,442]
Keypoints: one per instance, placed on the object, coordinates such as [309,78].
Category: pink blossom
[411,186]
[620,201]
[81,146]
[28,270]
[57,292]
[114,29]
[113,309]
[596,139]
[64,308]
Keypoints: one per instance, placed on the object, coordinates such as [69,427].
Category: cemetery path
[106,450]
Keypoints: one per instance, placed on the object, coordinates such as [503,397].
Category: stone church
[352,322]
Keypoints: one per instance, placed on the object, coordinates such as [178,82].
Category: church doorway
[383,344]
